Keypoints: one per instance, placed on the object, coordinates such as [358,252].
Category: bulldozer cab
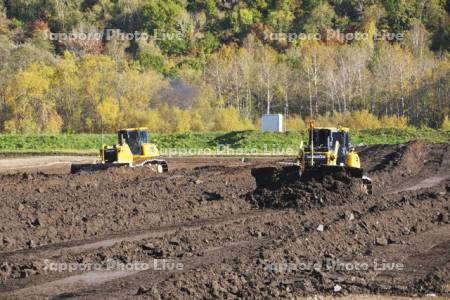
[327,137]
[320,138]
[134,138]
[324,140]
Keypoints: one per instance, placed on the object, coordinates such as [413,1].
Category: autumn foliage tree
[230,62]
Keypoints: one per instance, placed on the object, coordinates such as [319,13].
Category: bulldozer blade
[77,168]
[157,165]
[265,177]
[272,177]
[318,173]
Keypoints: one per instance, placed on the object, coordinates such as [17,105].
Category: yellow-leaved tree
[394,122]
[229,119]
[109,112]
[136,92]
[180,120]
[29,108]
[295,123]
[66,92]
[96,75]
[446,123]
[153,120]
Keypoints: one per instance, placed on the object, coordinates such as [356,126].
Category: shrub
[394,122]
[257,123]
[180,120]
[197,122]
[154,121]
[329,120]
[229,119]
[295,123]
[446,123]
[362,119]
[151,61]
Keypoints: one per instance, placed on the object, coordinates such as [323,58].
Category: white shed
[272,123]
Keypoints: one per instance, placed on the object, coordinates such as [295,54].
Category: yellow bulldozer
[133,150]
[328,152]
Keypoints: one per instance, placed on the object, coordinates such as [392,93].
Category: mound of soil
[284,188]
[402,161]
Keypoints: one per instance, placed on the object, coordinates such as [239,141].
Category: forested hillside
[216,65]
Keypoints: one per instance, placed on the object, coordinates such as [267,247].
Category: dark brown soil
[232,239]
[290,190]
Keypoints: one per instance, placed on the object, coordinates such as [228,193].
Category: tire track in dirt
[425,183]
[75,283]
[67,282]
[432,246]
[55,250]
[72,284]
[434,162]
[41,162]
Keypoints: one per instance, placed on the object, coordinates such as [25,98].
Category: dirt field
[205,231]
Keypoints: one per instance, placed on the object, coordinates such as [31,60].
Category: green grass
[245,141]
[398,136]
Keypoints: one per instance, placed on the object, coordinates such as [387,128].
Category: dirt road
[61,164]
[201,231]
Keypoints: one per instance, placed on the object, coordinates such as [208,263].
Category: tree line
[231,62]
